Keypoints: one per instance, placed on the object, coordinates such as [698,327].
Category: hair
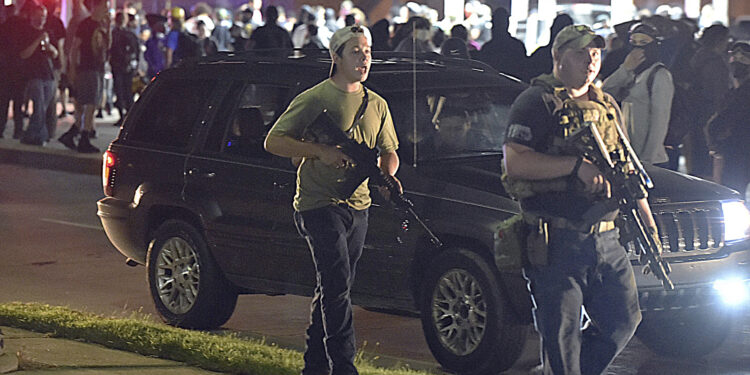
[459,31]
[713,35]
[119,18]
[500,20]
[272,14]
[454,47]
[349,20]
[29,7]
[562,20]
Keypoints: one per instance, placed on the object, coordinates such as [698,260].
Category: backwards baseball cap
[342,35]
[576,36]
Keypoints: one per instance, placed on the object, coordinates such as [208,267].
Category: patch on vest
[518,131]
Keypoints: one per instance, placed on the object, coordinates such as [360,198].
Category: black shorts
[88,87]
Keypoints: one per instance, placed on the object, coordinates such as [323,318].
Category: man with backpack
[644,87]
[181,44]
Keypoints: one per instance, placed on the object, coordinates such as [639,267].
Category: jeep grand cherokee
[192,195]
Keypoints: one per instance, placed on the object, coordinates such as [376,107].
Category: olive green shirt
[316,181]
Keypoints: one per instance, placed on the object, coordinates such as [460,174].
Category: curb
[61,160]
[8,362]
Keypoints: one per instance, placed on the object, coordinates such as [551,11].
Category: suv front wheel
[463,315]
[186,284]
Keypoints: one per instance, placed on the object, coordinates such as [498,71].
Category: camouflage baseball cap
[576,36]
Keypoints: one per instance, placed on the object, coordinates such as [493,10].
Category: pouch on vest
[510,243]
[537,244]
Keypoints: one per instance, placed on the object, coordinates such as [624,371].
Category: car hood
[671,186]
[484,174]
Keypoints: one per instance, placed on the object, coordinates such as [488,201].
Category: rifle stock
[324,130]
[629,182]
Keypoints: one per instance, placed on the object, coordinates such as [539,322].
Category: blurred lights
[733,291]
[736,221]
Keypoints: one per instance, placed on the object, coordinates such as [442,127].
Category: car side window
[244,119]
[168,118]
[451,123]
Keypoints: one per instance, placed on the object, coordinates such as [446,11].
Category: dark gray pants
[336,235]
[590,270]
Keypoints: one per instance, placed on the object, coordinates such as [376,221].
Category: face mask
[739,70]
[651,52]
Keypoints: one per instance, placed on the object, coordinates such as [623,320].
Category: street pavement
[27,352]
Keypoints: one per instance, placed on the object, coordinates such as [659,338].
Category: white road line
[72,224]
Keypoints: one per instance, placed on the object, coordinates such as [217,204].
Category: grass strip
[225,353]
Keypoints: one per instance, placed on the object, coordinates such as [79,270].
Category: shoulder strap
[652,76]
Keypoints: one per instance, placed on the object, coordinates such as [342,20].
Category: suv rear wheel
[462,313]
[186,284]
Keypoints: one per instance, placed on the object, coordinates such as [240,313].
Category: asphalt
[27,352]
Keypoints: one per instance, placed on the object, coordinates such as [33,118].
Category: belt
[562,223]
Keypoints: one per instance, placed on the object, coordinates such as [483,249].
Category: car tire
[463,312]
[186,284]
[686,334]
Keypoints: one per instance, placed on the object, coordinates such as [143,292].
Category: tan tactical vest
[570,115]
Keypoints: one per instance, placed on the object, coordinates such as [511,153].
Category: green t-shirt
[316,181]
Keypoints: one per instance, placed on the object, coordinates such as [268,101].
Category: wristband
[574,172]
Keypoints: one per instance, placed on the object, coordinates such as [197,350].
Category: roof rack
[422,60]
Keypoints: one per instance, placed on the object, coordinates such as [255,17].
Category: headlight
[733,291]
[736,221]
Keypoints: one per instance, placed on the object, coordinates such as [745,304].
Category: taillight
[108,172]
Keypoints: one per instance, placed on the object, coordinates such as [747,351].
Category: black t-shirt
[90,59]
[39,64]
[9,50]
[271,36]
[56,31]
[531,124]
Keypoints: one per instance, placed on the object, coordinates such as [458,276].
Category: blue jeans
[41,92]
[593,271]
[336,235]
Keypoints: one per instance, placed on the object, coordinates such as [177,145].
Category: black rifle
[324,130]
[629,182]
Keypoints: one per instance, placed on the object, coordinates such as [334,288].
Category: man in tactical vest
[571,262]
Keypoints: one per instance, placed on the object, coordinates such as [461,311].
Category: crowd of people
[669,84]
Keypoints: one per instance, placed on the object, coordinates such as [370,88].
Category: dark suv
[191,194]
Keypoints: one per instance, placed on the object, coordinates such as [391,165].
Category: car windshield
[449,124]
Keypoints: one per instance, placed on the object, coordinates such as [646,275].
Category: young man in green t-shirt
[334,225]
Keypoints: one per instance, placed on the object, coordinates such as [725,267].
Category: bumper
[120,222]
[694,283]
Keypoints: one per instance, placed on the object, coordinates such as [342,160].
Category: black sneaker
[68,139]
[85,146]
[99,114]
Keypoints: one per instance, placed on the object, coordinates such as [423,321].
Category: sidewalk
[54,155]
[30,353]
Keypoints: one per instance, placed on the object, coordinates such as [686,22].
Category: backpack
[123,52]
[188,46]
[682,117]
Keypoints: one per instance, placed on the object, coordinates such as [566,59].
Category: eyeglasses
[356,29]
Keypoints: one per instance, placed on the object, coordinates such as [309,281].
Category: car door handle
[195,172]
